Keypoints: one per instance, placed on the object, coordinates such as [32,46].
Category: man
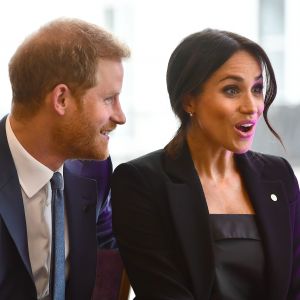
[66,79]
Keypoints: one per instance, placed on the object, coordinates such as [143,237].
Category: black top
[239,258]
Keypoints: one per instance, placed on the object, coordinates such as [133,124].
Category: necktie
[58,240]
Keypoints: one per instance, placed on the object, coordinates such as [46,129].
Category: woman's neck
[212,162]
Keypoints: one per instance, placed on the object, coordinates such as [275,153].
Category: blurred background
[153,29]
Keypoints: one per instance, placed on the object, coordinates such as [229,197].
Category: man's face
[85,133]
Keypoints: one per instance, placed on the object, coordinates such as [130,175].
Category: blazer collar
[191,219]
[11,202]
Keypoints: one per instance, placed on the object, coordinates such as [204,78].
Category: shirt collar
[32,174]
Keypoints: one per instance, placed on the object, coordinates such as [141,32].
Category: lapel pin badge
[274,197]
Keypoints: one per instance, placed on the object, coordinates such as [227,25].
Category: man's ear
[60,97]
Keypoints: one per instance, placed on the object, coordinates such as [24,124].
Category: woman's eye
[257,89]
[231,90]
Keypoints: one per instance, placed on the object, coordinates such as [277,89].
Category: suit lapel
[81,198]
[190,216]
[273,221]
[11,201]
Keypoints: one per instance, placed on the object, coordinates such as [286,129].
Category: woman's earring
[190,113]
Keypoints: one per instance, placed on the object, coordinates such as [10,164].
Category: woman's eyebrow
[239,78]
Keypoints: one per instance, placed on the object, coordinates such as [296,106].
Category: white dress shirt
[34,179]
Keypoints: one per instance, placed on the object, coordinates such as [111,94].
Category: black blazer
[161,221]
[16,279]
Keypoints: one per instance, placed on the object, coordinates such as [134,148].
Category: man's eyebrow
[112,93]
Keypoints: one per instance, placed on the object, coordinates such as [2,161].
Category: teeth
[245,127]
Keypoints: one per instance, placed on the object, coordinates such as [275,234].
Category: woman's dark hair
[196,58]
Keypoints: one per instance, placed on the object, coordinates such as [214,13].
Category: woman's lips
[245,129]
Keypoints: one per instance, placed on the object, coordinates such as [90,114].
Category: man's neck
[34,135]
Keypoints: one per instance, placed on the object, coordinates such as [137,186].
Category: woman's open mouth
[245,128]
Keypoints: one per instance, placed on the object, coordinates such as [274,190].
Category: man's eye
[231,90]
[109,99]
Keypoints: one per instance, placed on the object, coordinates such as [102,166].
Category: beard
[78,138]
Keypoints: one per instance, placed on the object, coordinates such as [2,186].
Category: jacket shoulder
[150,161]
[267,160]
[151,158]
[147,169]
[273,167]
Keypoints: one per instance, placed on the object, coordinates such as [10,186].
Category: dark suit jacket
[101,171]
[16,280]
[161,222]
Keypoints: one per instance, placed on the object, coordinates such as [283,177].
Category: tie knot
[57,182]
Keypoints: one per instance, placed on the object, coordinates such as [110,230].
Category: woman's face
[226,111]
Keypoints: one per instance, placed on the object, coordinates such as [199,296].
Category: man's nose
[118,115]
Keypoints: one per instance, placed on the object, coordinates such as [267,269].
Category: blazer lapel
[191,219]
[11,201]
[273,221]
[81,198]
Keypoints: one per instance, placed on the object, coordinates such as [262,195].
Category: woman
[205,217]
